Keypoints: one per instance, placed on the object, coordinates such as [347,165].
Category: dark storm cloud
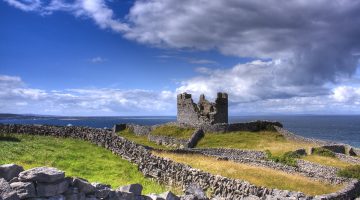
[317,39]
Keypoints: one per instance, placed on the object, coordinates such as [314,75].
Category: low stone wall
[248,126]
[258,158]
[163,170]
[347,158]
[350,191]
[51,183]
[168,141]
[354,151]
[336,148]
[291,136]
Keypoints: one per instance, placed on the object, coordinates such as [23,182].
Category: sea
[343,129]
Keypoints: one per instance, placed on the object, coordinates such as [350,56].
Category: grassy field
[173,131]
[76,158]
[256,175]
[263,140]
[143,140]
[328,161]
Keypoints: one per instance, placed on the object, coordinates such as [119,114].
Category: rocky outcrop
[48,183]
[161,169]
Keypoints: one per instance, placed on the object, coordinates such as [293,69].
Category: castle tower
[191,113]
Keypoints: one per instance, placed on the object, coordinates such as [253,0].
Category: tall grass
[173,131]
[264,140]
[257,175]
[328,161]
[143,140]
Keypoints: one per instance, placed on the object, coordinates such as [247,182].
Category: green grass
[143,140]
[288,158]
[256,175]
[75,157]
[328,161]
[350,172]
[173,131]
[323,152]
[263,140]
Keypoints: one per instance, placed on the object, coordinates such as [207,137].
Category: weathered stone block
[83,185]
[10,171]
[24,189]
[51,189]
[101,190]
[6,193]
[169,196]
[136,189]
[42,174]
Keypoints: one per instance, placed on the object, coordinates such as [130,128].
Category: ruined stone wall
[168,171]
[206,112]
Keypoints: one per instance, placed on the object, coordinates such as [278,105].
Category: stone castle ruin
[204,112]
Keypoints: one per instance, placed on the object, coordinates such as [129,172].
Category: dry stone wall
[258,158]
[163,170]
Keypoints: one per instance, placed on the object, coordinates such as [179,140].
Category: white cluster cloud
[16,97]
[97,10]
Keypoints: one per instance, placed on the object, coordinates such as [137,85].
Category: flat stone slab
[42,174]
[51,189]
[9,171]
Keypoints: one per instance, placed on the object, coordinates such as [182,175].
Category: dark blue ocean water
[345,129]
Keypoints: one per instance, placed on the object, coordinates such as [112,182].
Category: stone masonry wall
[165,170]
[206,112]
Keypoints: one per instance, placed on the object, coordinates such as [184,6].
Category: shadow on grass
[9,139]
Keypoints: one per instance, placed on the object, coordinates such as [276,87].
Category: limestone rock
[58,197]
[42,174]
[83,185]
[9,171]
[24,189]
[154,197]
[51,189]
[169,196]
[101,190]
[6,193]
[196,191]
[73,193]
[125,196]
[136,189]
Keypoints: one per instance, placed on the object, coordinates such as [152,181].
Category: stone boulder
[52,189]
[6,193]
[196,191]
[42,174]
[169,196]
[83,185]
[136,189]
[101,190]
[24,189]
[10,171]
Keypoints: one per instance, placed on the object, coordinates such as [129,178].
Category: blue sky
[103,57]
